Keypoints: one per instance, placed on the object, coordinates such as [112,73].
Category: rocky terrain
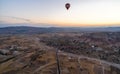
[77,53]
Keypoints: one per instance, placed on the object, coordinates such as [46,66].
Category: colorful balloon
[67,5]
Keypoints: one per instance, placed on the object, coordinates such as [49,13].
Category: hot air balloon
[67,5]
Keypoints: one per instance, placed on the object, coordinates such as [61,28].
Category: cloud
[19,18]
[2,21]
[26,22]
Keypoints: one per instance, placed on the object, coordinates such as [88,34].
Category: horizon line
[61,26]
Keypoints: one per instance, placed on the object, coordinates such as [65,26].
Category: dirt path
[42,67]
[94,59]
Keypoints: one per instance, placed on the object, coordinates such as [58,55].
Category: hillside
[39,30]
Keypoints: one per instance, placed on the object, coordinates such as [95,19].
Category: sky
[82,13]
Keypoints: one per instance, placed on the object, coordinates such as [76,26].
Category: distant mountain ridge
[39,30]
[26,30]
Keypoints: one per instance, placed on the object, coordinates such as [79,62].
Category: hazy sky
[53,12]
